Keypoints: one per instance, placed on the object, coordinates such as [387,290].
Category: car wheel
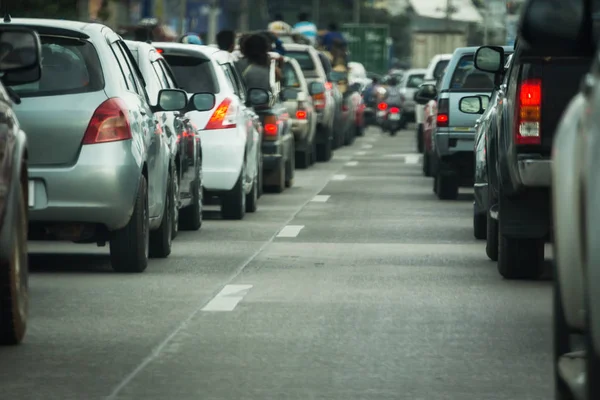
[519,258]
[290,167]
[426,163]
[420,141]
[162,238]
[303,159]
[491,239]
[313,151]
[175,206]
[233,203]
[129,246]
[479,225]
[561,342]
[252,197]
[260,176]
[447,185]
[324,151]
[190,217]
[14,284]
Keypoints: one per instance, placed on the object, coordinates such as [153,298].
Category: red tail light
[443,117]
[344,107]
[300,114]
[160,51]
[394,110]
[319,101]
[223,117]
[529,113]
[270,127]
[110,123]
[382,106]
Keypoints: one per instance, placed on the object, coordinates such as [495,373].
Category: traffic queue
[123,142]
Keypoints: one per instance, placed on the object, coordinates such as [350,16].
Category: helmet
[191,38]
[279,27]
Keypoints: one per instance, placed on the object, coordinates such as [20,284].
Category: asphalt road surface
[357,283]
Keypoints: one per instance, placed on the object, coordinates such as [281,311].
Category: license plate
[394,117]
[31,193]
[380,113]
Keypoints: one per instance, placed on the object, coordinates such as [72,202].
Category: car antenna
[7,17]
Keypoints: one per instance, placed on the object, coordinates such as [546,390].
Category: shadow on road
[89,263]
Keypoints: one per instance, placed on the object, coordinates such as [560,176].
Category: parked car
[312,64]
[451,160]
[278,153]
[541,83]
[434,72]
[19,65]
[484,123]
[299,104]
[185,188]
[229,132]
[411,81]
[89,116]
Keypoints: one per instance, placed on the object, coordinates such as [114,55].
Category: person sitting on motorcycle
[371,91]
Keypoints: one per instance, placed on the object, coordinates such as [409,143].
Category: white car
[229,132]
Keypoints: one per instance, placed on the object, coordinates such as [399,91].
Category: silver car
[98,164]
[411,80]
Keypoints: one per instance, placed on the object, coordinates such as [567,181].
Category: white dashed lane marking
[321,198]
[290,231]
[338,177]
[228,298]
[352,163]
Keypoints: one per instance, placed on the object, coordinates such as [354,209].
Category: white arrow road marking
[227,298]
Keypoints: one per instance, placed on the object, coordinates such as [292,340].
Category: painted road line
[401,155]
[227,298]
[321,198]
[290,231]
[367,146]
[412,159]
[352,163]
[342,157]
[360,153]
[338,177]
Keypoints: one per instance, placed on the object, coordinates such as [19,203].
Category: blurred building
[443,15]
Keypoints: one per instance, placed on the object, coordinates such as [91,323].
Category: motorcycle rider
[393,99]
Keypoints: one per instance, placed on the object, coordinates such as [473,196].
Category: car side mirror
[489,59]
[259,97]
[425,94]
[551,24]
[473,104]
[20,55]
[202,102]
[171,100]
[316,88]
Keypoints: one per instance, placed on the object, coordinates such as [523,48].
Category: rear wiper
[13,95]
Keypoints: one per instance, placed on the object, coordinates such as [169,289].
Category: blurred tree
[65,9]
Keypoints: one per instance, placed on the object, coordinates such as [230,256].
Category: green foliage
[65,9]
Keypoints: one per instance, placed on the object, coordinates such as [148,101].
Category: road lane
[384,294]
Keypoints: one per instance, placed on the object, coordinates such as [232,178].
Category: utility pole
[213,22]
[356,13]
[486,20]
[316,5]
[183,16]
[448,14]
[243,22]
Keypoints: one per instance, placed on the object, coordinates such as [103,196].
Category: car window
[194,74]
[290,78]
[238,81]
[124,67]
[325,63]
[231,80]
[168,73]
[135,70]
[440,69]
[415,80]
[160,75]
[69,66]
[466,77]
[304,59]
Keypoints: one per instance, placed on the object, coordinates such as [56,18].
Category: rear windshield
[304,59]
[415,80]
[440,68]
[466,77]
[69,66]
[193,74]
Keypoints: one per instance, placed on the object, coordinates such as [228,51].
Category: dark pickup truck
[540,84]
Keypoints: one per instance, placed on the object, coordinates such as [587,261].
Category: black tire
[161,238]
[324,151]
[14,280]
[360,131]
[447,185]
[491,239]
[420,141]
[426,163]
[252,197]
[520,258]
[313,152]
[479,225]
[129,246]
[176,205]
[233,203]
[393,132]
[303,159]
[190,217]
[561,343]
[260,175]
[290,167]
[350,136]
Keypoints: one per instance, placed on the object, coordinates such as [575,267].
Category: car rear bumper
[222,158]
[535,172]
[100,188]
[300,129]
[448,142]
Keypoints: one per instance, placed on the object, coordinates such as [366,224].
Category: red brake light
[160,51]
[110,123]
[528,119]
[443,117]
[270,126]
[382,106]
[223,117]
[300,114]
[394,110]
